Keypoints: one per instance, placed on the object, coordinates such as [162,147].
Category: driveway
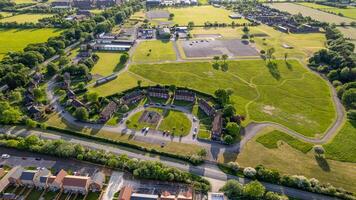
[114,185]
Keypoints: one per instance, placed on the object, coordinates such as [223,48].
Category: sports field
[154,51]
[349,12]
[17,39]
[313,13]
[201,14]
[22,18]
[107,64]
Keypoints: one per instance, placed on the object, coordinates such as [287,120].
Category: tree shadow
[289,66]
[323,163]
[273,70]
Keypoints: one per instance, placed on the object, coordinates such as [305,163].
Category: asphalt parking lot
[157,14]
[210,47]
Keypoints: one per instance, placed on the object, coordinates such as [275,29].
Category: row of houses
[154,3]
[84,4]
[127,193]
[217,123]
[43,178]
[284,22]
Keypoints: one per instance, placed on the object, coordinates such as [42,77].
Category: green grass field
[343,146]
[134,120]
[257,94]
[22,18]
[176,123]
[201,14]
[313,13]
[154,51]
[34,195]
[23,1]
[107,64]
[349,12]
[17,39]
[270,140]
[5,14]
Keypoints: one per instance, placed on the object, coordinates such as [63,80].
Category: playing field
[349,12]
[154,51]
[17,39]
[176,123]
[286,159]
[108,63]
[201,14]
[22,18]
[313,13]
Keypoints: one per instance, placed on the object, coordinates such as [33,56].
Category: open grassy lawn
[34,195]
[49,195]
[5,14]
[271,140]
[108,63]
[343,146]
[201,14]
[288,160]
[259,93]
[22,18]
[204,134]
[313,13]
[226,32]
[17,39]
[203,2]
[349,12]
[24,1]
[170,147]
[176,123]
[93,196]
[134,120]
[154,51]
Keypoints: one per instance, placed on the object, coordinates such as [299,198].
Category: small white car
[194,119]
[5,156]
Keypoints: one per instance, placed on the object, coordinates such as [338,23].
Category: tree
[38,94]
[254,190]
[15,96]
[81,114]
[9,114]
[172,88]
[319,150]
[274,196]
[351,114]
[224,67]
[81,86]
[125,108]
[190,25]
[223,96]
[92,97]
[216,58]
[52,69]
[349,98]
[269,53]
[233,129]
[232,189]
[285,57]
[228,139]
[139,83]
[229,110]
[124,58]
[31,123]
[224,57]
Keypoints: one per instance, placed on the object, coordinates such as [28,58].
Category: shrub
[250,172]
[234,166]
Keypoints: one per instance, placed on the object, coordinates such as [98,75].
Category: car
[194,119]
[195,129]
[143,129]
[147,129]
[163,105]
[173,106]
[24,158]
[146,105]
[38,158]
[194,134]
[5,156]
[158,104]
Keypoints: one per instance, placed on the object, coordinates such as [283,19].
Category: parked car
[147,129]
[194,119]
[195,129]
[5,156]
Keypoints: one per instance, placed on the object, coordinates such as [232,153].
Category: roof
[166,195]
[28,175]
[217,123]
[185,196]
[16,172]
[77,181]
[125,193]
[109,110]
[5,180]
[43,179]
[57,179]
[2,172]
[143,196]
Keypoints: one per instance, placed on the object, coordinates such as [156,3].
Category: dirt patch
[150,117]
[268,109]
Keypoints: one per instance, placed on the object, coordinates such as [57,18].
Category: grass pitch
[313,13]
[349,12]
[17,39]
[154,51]
[108,63]
[22,18]
[201,14]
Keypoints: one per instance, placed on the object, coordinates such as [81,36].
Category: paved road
[208,170]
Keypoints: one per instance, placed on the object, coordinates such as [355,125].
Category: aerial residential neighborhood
[177,100]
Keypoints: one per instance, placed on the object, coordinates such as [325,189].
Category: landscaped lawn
[93,196]
[201,14]
[108,63]
[289,160]
[18,39]
[177,123]
[34,195]
[22,18]
[204,134]
[24,1]
[134,120]
[154,51]
[349,12]
[271,139]
[343,146]
[257,94]
[5,14]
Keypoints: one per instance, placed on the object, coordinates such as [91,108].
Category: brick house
[108,111]
[55,182]
[14,175]
[76,184]
[97,181]
[217,126]
[184,95]
[206,108]
[132,97]
[158,92]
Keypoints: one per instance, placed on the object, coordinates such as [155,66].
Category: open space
[108,63]
[201,14]
[210,48]
[349,12]
[17,39]
[22,18]
[176,123]
[313,13]
[154,51]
